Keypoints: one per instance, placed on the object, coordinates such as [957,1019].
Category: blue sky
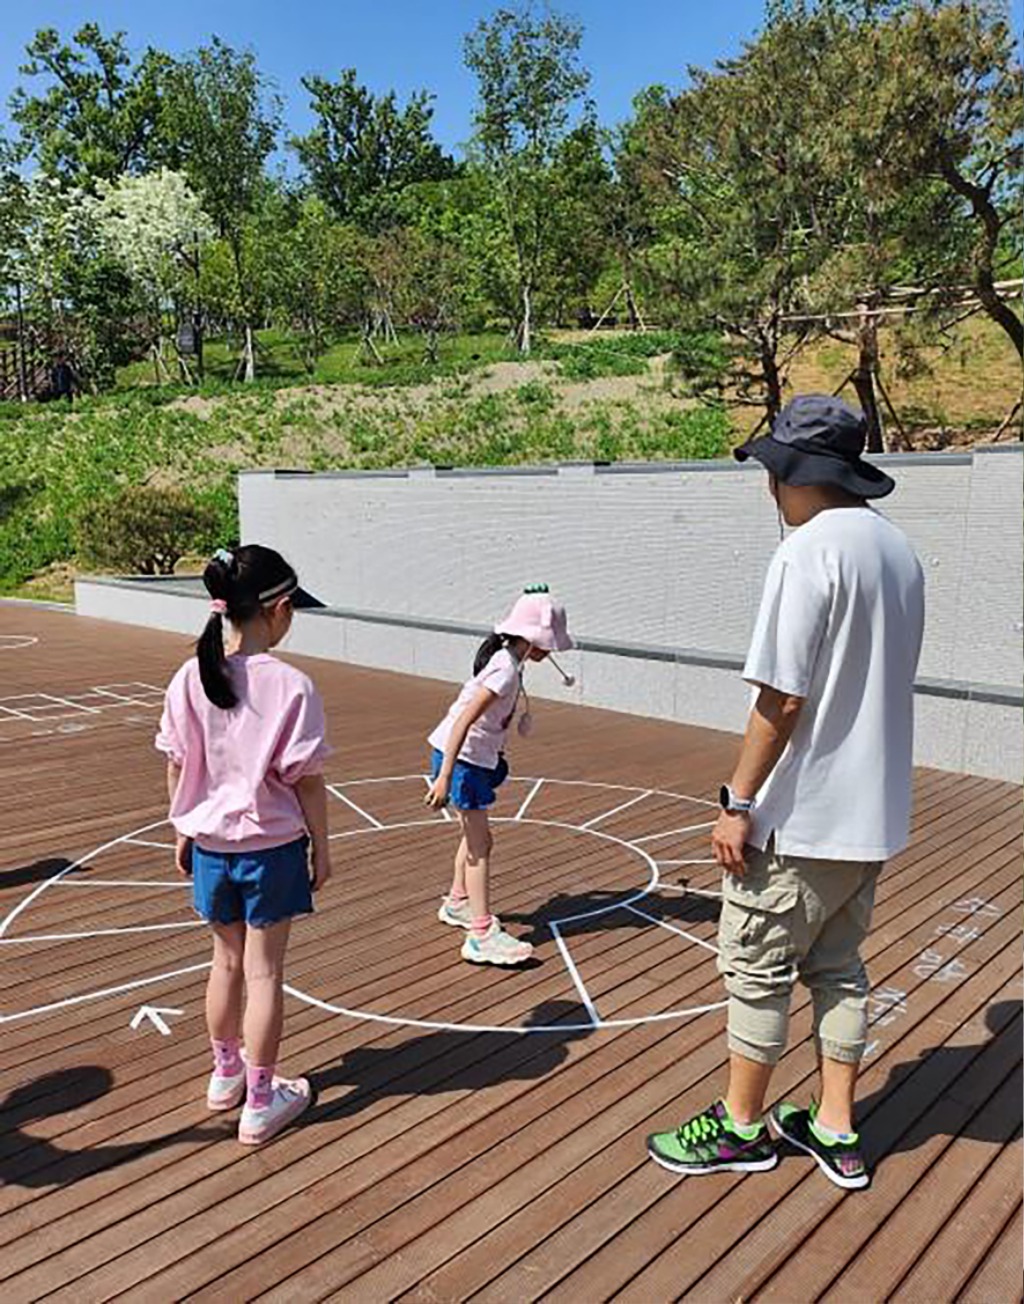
[404,44]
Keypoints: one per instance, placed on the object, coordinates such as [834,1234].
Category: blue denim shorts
[259,887]
[473,787]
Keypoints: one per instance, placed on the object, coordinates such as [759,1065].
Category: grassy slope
[480,408]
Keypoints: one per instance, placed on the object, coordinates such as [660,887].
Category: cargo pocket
[757,927]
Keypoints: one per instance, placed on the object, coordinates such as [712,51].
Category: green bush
[143,530]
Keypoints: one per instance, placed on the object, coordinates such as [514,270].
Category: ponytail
[492,643]
[238,583]
[213,665]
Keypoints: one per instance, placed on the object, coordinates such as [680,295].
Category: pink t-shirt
[239,767]
[486,737]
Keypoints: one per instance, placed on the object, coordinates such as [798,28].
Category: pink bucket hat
[538,619]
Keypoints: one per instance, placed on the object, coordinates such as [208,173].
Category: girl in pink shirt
[468,764]
[244,737]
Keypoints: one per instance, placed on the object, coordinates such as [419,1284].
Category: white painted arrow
[153,1013]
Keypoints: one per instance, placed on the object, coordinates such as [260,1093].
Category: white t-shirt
[840,624]
[486,737]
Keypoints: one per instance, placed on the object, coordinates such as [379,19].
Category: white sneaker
[495,947]
[290,1098]
[225,1091]
[459,916]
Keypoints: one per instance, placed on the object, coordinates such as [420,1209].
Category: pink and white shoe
[225,1091]
[290,1098]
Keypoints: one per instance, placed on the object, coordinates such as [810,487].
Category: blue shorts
[259,887]
[473,787]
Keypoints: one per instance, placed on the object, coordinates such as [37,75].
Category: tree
[529,78]
[225,122]
[154,227]
[320,274]
[364,149]
[99,116]
[950,110]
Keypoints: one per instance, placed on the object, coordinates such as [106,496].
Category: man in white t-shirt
[820,797]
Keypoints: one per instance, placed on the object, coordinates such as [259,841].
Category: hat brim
[558,642]
[796,467]
[303,601]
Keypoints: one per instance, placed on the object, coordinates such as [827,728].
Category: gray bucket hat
[816,440]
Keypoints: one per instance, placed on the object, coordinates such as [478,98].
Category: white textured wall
[667,559]
[664,559]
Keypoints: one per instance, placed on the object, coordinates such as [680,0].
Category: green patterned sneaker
[840,1160]
[712,1143]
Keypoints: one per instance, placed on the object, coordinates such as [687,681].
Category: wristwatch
[732,804]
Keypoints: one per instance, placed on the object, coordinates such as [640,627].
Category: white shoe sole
[844,1183]
[487,959]
[231,1100]
[738,1166]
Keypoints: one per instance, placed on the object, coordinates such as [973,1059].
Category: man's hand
[728,838]
[183,855]
[437,793]
[321,867]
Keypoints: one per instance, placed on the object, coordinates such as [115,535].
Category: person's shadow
[31,1161]
[34,873]
[914,1086]
[687,908]
[446,1061]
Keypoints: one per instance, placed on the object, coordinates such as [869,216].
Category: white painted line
[529,797]
[122,882]
[15,642]
[84,860]
[101,932]
[694,891]
[609,813]
[358,809]
[18,715]
[711,861]
[154,1013]
[144,842]
[673,833]
[436,1025]
[445,812]
[624,787]
[75,706]
[574,974]
[106,991]
[680,932]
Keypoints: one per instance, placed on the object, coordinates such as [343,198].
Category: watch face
[723,797]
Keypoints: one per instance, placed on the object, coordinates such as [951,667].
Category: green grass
[279,362]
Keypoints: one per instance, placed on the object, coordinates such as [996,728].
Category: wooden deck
[453,1154]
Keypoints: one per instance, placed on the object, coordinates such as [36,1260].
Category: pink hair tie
[219,607]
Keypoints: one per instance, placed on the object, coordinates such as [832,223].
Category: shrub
[143,530]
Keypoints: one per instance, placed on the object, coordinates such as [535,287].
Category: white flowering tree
[154,227]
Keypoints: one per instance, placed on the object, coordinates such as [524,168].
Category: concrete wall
[661,568]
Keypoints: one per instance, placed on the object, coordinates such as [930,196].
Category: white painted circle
[633,795]
[14,642]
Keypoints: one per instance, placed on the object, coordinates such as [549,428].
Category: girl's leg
[224,986]
[476,836]
[264,1007]
[224,1016]
[458,892]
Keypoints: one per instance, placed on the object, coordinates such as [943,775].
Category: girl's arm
[182,845]
[437,794]
[312,794]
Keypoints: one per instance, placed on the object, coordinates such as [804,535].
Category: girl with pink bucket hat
[468,763]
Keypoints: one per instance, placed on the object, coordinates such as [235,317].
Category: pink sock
[227,1056]
[482,925]
[259,1081]
[456,897]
